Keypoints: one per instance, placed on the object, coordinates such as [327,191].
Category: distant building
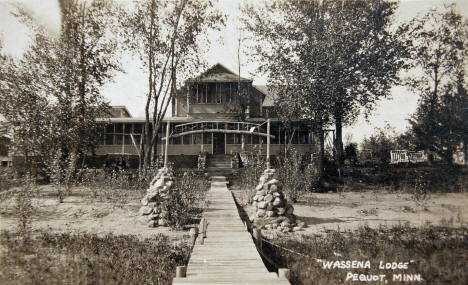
[205,117]
[5,158]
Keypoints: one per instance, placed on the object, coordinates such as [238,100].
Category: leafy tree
[54,88]
[326,59]
[439,40]
[168,37]
[351,152]
[380,144]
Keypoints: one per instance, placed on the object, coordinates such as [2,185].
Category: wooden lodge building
[205,118]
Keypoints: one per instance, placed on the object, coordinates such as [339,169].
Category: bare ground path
[228,254]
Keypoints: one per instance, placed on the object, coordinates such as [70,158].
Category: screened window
[275,140]
[197,138]
[118,139]
[207,138]
[295,139]
[109,139]
[128,128]
[187,139]
[177,140]
[127,139]
[118,128]
[137,128]
[255,139]
[230,138]
[248,139]
[110,128]
[303,137]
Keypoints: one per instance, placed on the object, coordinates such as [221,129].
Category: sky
[129,88]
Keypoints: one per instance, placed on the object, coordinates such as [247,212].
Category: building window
[207,138]
[303,137]
[219,94]
[127,139]
[295,136]
[110,128]
[275,140]
[187,139]
[128,128]
[118,139]
[232,126]
[118,128]
[233,139]
[137,128]
[255,139]
[197,138]
[109,139]
[176,140]
[247,139]
[230,138]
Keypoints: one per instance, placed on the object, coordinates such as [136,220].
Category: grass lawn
[92,237]
[394,255]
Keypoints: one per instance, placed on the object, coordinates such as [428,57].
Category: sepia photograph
[224,142]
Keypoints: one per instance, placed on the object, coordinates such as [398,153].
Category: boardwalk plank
[228,255]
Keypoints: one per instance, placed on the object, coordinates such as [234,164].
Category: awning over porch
[227,127]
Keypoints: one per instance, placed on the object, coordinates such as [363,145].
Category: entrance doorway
[219,143]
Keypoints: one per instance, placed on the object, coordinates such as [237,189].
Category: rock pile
[272,211]
[153,211]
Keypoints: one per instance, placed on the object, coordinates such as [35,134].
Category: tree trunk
[339,143]
[465,152]
[321,158]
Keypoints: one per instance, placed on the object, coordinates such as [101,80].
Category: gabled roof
[5,128]
[219,73]
[269,100]
[120,112]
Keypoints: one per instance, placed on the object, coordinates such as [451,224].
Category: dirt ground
[82,212]
[350,210]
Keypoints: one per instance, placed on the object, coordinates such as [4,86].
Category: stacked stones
[272,211]
[153,211]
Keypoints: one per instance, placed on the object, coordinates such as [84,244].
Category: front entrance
[219,146]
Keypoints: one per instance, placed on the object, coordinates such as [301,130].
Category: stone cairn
[153,211]
[272,211]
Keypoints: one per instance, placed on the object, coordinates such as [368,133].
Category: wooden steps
[228,255]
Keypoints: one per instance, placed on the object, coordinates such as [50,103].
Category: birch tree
[169,38]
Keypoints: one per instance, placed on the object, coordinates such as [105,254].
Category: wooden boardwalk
[228,255]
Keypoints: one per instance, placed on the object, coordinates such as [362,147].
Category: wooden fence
[406,156]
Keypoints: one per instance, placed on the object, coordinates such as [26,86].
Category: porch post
[167,143]
[268,144]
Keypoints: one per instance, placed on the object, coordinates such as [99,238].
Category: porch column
[167,143]
[268,144]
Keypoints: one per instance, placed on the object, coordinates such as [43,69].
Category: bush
[407,179]
[186,199]
[293,170]
[90,259]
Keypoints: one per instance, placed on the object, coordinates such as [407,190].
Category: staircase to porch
[219,164]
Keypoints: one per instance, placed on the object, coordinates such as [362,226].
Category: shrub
[24,211]
[186,199]
[290,174]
